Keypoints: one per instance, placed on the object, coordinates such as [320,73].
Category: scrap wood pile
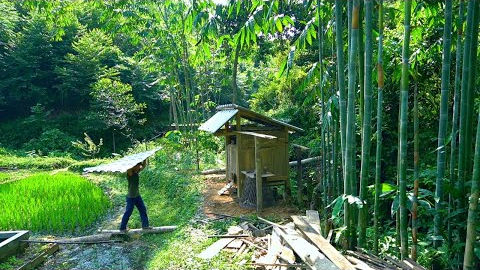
[295,245]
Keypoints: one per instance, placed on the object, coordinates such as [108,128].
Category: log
[333,254]
[213,171]
[134,231]
[52,248]
[304,161]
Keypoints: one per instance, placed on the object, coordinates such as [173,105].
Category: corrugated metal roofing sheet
[218,120]
[256,117]
[123,164]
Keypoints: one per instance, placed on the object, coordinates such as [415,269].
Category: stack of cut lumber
[295,245]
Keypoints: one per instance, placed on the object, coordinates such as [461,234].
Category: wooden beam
[239,142]
[304,161]
[255,134]
[52,248]
[258,171]
[306,251]
[272,223]
[215,248]
[228,236]
[333,254]
[301,147]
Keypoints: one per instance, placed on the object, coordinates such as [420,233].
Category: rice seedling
[51,203]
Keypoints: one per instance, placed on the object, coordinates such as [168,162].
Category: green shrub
[52,141]
[51,203]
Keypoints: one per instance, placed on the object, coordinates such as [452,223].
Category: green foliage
[35,162]
[51,203]
[88,148]
[50,142]
[115,103]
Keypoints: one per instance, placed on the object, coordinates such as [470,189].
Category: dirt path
[228,204]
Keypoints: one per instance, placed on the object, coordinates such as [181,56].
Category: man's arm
[144,164]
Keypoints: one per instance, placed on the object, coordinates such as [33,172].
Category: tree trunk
[341,79]
[456,101]
[442,124]
[402,173]
[469,257]
[367,122]
[350,139]
[234,74]
[415,173]
[378,157]
[465,89]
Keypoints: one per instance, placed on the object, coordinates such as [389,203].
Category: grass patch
[43,163]
[51,203]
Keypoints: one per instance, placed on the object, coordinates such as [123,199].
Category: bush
[52,141]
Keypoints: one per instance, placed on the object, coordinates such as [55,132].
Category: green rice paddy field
[60,203]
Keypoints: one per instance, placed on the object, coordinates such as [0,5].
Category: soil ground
[129,254]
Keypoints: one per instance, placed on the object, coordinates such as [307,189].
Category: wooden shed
[256,147]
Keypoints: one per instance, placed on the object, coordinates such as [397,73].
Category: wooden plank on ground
[358,263]
[215,248]
[313,218]
[152,230]
[306,251]
[333,254]
[413,264]
[273,250]
[52,248]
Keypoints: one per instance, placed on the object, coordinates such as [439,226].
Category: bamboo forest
[363,115]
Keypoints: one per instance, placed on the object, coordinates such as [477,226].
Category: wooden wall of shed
[274,155]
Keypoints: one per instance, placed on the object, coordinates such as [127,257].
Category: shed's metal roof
[218,120]
[123,164]
[226,112]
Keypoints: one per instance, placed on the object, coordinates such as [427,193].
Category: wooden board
[52,248]
[215,248]
[313,218]
[333,254]
[306,251]
[134,231]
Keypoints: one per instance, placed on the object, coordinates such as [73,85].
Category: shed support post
[299,178]
[258,174]
[239,161]
[227,151]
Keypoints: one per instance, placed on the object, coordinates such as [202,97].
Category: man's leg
[143,211]
[128,213]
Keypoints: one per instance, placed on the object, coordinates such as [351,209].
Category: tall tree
[466,88]
[442,123]
[341,78]
[350,136]
[468,259]
[378,156]
[416,156]
[367,121]
[402,168]
[455,116]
